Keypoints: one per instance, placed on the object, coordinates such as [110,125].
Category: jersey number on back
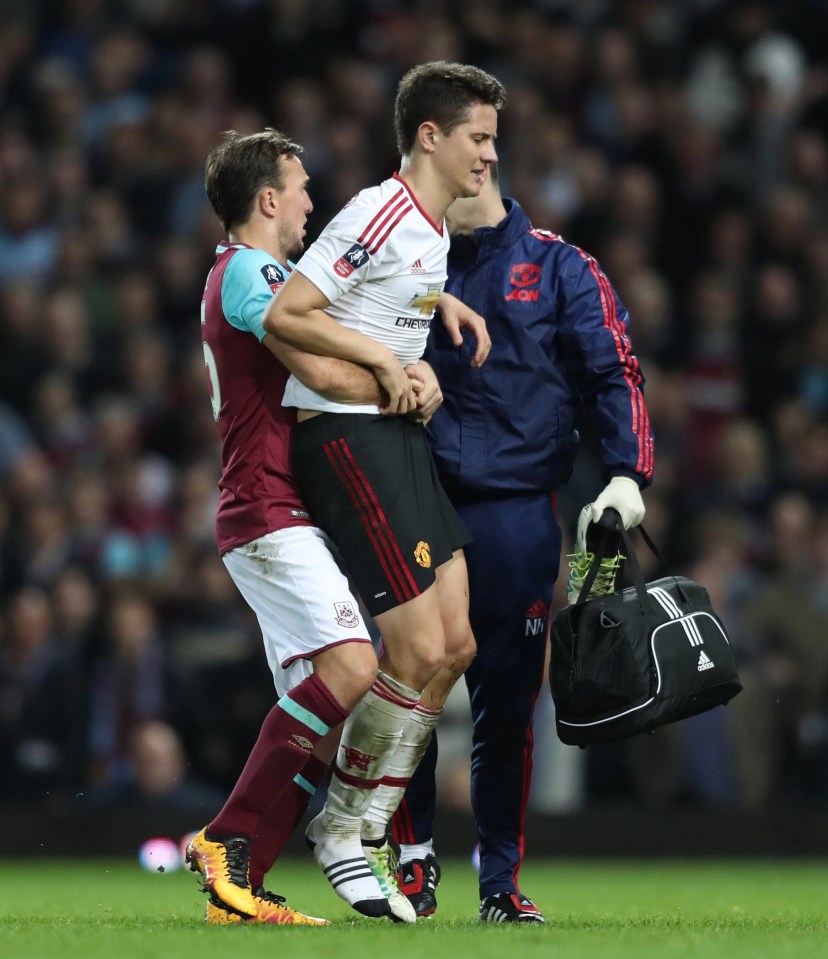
[212,372]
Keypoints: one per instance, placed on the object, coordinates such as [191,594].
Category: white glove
[623,494]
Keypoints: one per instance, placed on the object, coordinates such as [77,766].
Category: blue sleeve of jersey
[250,280]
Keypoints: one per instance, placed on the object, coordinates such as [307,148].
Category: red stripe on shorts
[373,518]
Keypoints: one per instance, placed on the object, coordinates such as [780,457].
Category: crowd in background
[684,143]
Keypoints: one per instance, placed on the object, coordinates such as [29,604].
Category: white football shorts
[300,596]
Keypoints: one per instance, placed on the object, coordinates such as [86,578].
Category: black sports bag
[638,658]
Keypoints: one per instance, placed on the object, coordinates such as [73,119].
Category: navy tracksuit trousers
[513,563]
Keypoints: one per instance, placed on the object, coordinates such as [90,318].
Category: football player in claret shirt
[315,638]
[366,291]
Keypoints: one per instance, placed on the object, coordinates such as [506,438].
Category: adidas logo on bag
[705,662]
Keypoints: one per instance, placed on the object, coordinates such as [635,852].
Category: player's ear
[427,134]
[268,201]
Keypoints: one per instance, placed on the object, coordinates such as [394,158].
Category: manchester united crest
[423,555]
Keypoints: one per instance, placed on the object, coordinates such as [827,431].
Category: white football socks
[414,741]
[370,737]
[410,852]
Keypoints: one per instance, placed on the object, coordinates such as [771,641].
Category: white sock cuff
[426,715]
[411,851]
[393,691]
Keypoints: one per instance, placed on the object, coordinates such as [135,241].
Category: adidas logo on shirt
[417,267]
[705,662]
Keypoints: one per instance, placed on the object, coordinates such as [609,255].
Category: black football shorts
[369,481]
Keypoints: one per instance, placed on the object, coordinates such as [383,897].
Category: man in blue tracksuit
[504,441]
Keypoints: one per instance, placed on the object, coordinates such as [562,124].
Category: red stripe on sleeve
[632,370]
[403,213]
[380,219]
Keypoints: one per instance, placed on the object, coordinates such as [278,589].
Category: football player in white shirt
[366,291]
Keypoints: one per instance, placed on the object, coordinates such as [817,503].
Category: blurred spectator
[781,713]
[158,778]
[685,145]
[28,240]
[41,705]
[129,684]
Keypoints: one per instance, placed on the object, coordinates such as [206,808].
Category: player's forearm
[347,382]
[297,317]
[313,331]
[337,380]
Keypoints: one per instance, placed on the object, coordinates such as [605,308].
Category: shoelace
[268,896]
[387,862]
[605,580]
[580,564]
[238,861]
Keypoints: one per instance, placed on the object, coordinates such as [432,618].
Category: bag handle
[611,522]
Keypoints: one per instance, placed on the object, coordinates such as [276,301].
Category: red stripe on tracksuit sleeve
[632,372]
[373,518]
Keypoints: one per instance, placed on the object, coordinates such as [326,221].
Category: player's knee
[461,647]
[466,653]
[428,664]
[363,671]
[348,671]
[419,665]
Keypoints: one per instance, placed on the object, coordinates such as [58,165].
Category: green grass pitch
[85,909]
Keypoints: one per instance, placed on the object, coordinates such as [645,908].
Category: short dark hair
[240,166]
[441,92]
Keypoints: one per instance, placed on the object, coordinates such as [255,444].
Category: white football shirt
[381,262]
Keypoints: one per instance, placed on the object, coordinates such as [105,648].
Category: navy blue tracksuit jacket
[504,441]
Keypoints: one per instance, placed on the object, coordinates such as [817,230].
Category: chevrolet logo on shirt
[413,323]
[426,302]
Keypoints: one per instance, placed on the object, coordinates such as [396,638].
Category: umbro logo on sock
[705,662]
